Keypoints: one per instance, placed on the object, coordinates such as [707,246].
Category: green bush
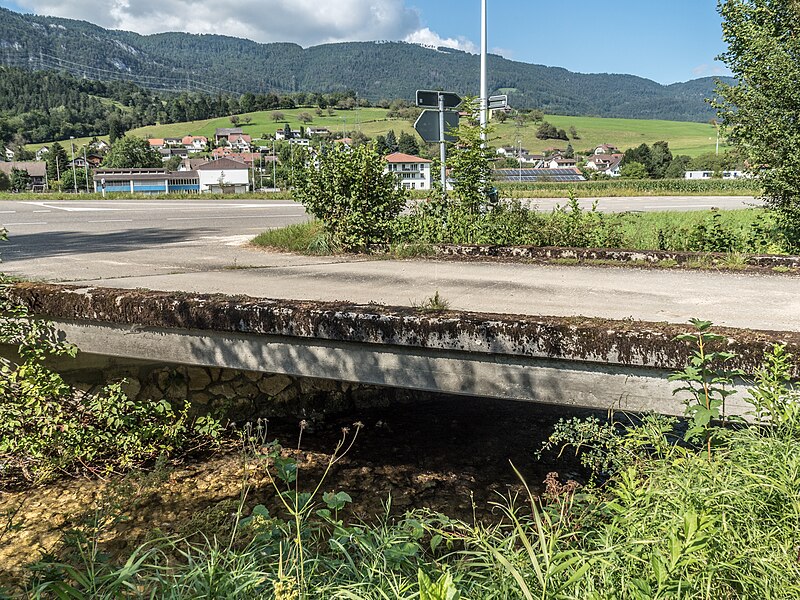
[49,428]
[347,190]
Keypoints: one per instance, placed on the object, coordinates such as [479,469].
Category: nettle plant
[48,428]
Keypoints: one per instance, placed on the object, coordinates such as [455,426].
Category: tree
[641,155]
[759,111]
[68,180]
[573,132]
[348,190]
[569,152]
[391,142]
[407,144]
[661,157]
[470,162]
[305,117]
[500,116]
[57,162]
[131,152]
[5,182]
[115,129]
[278,116]
[234,119]
[20,180]
[633,170]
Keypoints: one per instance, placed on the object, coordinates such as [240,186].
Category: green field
[684,138]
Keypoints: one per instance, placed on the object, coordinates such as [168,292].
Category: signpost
[497,102]
[433,127]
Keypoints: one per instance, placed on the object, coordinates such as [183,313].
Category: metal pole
[484,120]
[274,160]
[74,175]
[442,146]
[86,169]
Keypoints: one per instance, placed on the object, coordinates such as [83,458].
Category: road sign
[496,102]
[427,125]
[430,99]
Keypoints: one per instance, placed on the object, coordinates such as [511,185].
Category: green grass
[684,138]
[303,238]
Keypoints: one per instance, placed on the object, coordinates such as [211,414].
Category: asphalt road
[199,246]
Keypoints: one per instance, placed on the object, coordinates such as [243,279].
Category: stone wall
[225,393]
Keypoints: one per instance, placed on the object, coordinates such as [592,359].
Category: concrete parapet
[576,361]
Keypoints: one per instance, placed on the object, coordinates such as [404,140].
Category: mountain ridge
[375,70]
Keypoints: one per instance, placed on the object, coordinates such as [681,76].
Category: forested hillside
[218,64]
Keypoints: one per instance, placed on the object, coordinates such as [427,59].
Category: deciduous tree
[760,111]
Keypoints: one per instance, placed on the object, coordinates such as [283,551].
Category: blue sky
[664,41]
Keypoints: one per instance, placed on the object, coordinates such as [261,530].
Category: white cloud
[430,38]
[306,22]
[710,70]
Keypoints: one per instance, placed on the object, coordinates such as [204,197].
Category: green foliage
[20,181]
[348,191]
[48,428]
[132,153]
[759,110]
[469,161]
[5,182]
[707,383]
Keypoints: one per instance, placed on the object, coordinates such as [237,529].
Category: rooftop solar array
[537,175]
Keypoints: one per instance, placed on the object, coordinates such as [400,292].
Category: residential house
[100,146]
[157,143]
[413,172]
[605,163]
[224,175]
[91,160]
[606,149]
[294,134]
[559,162]
[511,151]
[247,158]
[173,142]
[240,141]
[41,153]
[195,143]
[36,170]
[169,152]
[319,131]
[223,133]
[145,181]
[9,154]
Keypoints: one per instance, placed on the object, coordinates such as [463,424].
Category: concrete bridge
[576,361]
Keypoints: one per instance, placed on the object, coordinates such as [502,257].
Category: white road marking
[216,218]
[8,212]
[112,221]
[42,211]
[18,224]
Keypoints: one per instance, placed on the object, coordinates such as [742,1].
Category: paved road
[192,246]
[652,203]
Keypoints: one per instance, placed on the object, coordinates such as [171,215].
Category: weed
[434,304]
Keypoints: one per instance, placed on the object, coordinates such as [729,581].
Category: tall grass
[669,521]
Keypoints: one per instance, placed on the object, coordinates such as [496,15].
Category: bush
[348,191]
[48,428]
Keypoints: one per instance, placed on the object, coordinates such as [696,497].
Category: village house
[36,170]
[240,141]
[41,153]
[605,163]
[224,176]
[318,131]
[195,143]
[157,143]
[413,172]
[606,149]
[224,133]
[559,162]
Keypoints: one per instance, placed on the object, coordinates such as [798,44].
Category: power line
[46,61]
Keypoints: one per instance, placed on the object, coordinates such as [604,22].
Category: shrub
[349,192]
[48,428]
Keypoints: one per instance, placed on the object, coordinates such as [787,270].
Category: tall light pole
[484,71]
[86,169]
[74,175]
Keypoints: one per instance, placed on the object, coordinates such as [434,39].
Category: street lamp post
[86,169]
[74,175]
[484,119]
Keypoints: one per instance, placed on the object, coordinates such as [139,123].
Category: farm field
[684,138]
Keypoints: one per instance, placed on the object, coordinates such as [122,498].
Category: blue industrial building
[146,181]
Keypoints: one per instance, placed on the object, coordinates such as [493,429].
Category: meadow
[687,138]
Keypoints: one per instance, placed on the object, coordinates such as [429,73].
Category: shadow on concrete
[63,243]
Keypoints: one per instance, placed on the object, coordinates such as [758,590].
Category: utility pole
[484,120]
[74,175]
[86,168]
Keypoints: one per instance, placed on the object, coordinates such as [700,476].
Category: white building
[224,175]
[606,163]
[413,172]
[710,174]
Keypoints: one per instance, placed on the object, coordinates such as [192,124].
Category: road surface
[198,246]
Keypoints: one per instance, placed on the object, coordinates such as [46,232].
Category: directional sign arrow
[427,125]
[496,102]
[430,99]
